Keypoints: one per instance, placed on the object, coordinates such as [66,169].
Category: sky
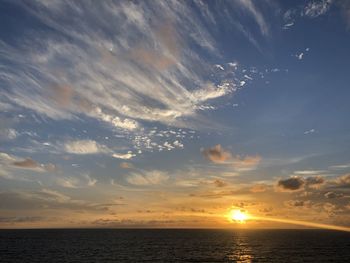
[173,113]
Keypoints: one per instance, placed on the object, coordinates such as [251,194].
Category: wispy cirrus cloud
[147,178]
[115,79]
[257,15]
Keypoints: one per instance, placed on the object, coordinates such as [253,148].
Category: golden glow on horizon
[303,223]
[241,217]
[238,216]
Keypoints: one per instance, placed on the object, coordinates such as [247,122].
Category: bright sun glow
[239,216]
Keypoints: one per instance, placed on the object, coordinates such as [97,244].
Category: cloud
[27,163]
[291,184]
[90,181]
[147,178]
[309,131]
[309,172]
[300,55]
[80,181]
[343,180]
[217,154]
[124,156]
[220,183]
[10,161]
[63,95]
[118,80]
[332,195]
[45,199]
[259,188]
[315,181]
[246,162]
[259,18]
[340,166]
[126,165]
[21,219]
[84,147]
[316,8]
[288,25]
[8,134]
[298,203]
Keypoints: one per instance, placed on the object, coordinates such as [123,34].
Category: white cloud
[84,147]
[309,131]
[124,156]
[288,25]
[219,67]
[317,8]
[178,144]
[211,91]
[127,124]
[309,172]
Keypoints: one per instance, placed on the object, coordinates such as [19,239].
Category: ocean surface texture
[112,245]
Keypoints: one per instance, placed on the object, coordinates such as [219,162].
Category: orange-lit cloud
[63,95]
[125,165]
[217,154]
[27,163]
[258,188]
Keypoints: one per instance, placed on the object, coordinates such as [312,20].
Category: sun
[239,216]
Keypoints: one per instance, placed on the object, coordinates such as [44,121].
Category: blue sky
[111,109]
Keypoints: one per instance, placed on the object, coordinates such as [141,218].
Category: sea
[173,245]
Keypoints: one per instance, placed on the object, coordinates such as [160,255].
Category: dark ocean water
[139,245]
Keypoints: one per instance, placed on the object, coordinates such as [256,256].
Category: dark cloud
[132,223]
[21,219]
[314,181]
[291,184]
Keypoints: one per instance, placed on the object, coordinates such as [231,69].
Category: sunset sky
[173,113]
